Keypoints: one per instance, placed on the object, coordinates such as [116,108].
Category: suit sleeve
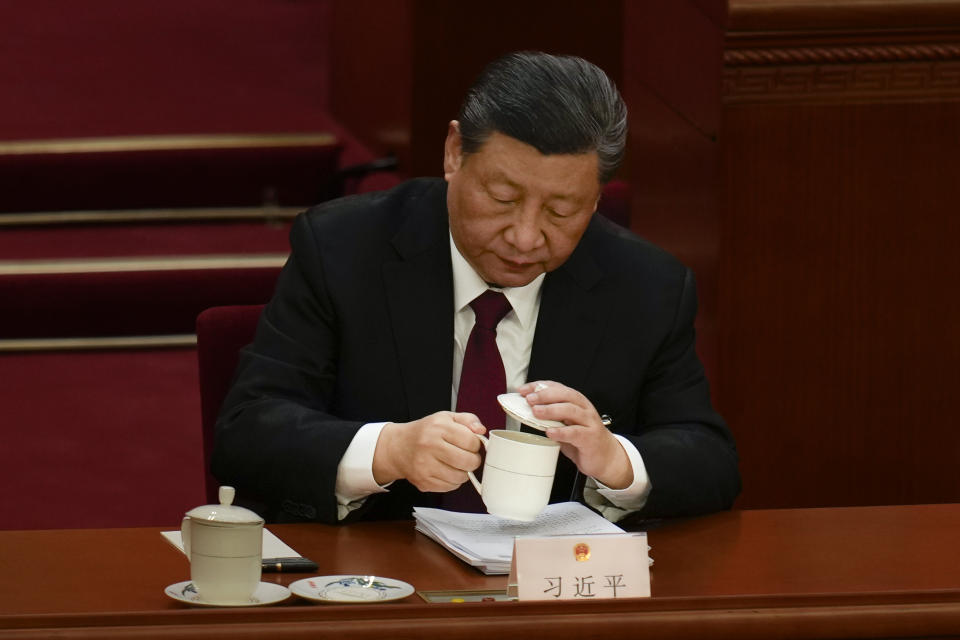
[686,447]
[277,439]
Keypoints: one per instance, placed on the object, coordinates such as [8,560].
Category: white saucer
[265,593]
[516,406]
[351,589]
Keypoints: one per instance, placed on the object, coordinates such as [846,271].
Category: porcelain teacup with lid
[224,543]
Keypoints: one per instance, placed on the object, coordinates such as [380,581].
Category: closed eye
[559,214]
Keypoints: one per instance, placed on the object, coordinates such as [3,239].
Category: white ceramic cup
[224,546]
[517,474]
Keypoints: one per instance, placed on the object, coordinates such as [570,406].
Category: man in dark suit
[345,404]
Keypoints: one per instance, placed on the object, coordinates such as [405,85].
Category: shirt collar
[467,285]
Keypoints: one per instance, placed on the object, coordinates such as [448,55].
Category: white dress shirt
[515,340]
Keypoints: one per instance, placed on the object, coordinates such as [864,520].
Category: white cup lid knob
[226,495]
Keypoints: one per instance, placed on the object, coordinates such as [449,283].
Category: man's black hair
[556,104]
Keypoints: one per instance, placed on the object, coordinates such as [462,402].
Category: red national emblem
[581,551]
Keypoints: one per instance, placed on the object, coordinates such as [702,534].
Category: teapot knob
[226,495]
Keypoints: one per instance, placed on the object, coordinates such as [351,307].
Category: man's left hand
[585,440]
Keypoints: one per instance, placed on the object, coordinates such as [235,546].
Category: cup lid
[226,511]
[516,406]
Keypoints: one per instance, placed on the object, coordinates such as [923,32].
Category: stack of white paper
[486,542]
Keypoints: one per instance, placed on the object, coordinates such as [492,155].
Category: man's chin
[503,273]
[514,278]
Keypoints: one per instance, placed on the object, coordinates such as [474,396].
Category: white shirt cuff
[355,471]
[616,503]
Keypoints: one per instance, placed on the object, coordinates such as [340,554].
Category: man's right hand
[433,453]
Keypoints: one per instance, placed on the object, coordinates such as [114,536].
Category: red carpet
[99,439]
[102,240]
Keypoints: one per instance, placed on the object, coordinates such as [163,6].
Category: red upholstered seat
[221,333]
[615,202]
[122,280]
[135,235]
[150,172]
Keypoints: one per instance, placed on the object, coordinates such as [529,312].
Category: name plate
[588,567]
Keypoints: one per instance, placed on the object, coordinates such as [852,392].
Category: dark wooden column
[401,67]
[673,57]
[839,315]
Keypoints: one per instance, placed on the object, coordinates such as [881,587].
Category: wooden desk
[870,572]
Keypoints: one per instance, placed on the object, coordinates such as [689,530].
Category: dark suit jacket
[360,330]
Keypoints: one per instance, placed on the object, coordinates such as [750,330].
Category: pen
[287,565]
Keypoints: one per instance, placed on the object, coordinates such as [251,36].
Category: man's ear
[452,150]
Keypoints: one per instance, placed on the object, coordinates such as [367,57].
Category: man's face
[514,212]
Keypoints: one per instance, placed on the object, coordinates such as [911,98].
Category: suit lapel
[419,290]
[570,324]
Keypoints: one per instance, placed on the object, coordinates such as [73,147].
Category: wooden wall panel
[673,57]
[839,318]
[371,72]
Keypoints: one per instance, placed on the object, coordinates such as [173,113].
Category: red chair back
[221,333]
[615,203]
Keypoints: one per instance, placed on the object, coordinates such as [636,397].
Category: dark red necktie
[482,379]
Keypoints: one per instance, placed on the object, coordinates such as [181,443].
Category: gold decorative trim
[148,215]
[110,342]
[851,82]
[147,263]
[165,143]
[842,54]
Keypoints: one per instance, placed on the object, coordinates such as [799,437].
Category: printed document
[486,542]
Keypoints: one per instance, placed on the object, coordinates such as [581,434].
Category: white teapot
[224,544]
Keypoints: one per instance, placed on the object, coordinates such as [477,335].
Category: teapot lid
[226,511]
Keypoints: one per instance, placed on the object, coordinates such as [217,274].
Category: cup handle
[473,478]
[185,536]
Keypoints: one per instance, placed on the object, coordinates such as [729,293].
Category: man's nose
[525,232]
